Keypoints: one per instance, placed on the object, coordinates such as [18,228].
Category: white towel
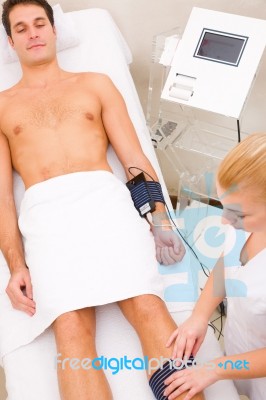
[85,245]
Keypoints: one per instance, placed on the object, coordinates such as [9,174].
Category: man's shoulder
[100,83]
[94,77]
[5,94]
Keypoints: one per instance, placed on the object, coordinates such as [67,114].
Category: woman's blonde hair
[245,165]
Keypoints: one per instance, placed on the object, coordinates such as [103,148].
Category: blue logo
[201,227]
[238,364]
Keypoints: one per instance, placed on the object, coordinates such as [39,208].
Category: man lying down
[79,241]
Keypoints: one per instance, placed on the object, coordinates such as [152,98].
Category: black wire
[211,323]
[238,131]
[221,329]
[216,319]
[212,326]
[141,171]
[222,313]
[203,267]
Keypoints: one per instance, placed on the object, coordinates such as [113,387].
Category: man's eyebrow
[22,22]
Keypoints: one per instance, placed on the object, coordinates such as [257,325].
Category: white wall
[140,20]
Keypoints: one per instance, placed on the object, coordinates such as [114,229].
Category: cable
[212,326]
[238,130]
[211,323]
[203,267]
[141,171]
[215,329]
[222,313]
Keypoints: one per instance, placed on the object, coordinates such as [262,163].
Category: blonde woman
[241,187]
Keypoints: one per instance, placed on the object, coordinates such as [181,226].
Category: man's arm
[10,237]
[122,135]
[121,132]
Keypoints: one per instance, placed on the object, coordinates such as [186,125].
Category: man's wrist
[160,216]
[15,261]
[18,267]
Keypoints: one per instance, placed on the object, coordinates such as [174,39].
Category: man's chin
[39,61]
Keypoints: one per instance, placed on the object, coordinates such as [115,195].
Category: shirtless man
[54,123]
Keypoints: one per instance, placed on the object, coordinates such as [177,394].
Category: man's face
[33,37]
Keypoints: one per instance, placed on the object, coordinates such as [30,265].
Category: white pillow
[66,36]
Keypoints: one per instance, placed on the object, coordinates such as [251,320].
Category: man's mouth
[37,45]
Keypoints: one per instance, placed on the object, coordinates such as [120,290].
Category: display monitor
[220,47]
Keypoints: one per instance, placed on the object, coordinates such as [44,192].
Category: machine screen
[220,47]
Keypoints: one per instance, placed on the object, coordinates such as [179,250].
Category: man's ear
[54,29]
[10,41]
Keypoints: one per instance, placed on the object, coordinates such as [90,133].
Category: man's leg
[150,318]
[75,339]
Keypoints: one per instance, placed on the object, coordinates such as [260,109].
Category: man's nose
[33,34]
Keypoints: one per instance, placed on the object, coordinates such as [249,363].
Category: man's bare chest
[48,111]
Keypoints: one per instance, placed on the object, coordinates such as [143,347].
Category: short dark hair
[9,4]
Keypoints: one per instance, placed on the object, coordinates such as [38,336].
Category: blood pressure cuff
[145,194]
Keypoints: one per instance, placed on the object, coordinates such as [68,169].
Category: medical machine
[199,88]
[216,62]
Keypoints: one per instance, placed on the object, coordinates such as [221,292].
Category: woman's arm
[242,366]
[194,380]
[190,335]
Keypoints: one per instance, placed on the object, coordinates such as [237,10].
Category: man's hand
[19,290]
[169,247]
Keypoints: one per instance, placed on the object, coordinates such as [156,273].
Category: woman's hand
[194,380]
[188,337]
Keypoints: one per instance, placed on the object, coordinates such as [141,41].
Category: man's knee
[144,307]
[74,323]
